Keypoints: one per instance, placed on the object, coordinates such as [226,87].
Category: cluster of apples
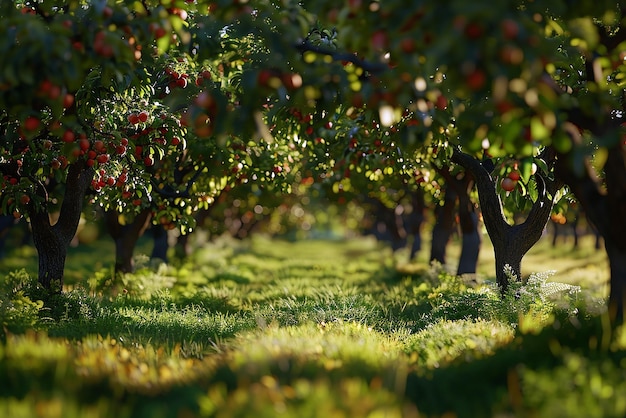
[103,179]
[509,183]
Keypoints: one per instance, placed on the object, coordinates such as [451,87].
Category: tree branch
[491,205]
[79,178]
[170,192]
[370,67]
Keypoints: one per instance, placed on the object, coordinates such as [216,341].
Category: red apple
[84,144]
[476,79]
[510,28]
[148,161]
[514,175]
[133,118]
[441,103]
[508,184]
[68,100]
[68,136]
[98,145]
[31,123]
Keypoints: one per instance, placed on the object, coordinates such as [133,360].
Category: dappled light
[326,208]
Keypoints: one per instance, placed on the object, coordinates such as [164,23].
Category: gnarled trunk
[52,241]
[510,242]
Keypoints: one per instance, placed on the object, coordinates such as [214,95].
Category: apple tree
[538,83]
[76,119]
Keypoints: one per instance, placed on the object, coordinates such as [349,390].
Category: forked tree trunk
[52,241]
[510,242]
[125,238]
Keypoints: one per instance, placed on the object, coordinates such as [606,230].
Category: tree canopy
[161,105]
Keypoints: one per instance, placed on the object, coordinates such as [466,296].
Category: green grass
[269,328]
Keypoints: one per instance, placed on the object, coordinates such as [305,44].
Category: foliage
[17,311]
[148,280]
[168,107]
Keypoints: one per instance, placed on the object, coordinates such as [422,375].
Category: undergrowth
[304,329]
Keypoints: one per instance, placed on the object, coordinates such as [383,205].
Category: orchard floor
[583,265]
[310,328]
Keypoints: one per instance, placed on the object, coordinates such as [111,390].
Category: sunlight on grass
[307,328]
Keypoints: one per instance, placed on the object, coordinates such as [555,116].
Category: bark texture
[52,241]
[510,242]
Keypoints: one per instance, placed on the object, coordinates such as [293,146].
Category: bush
[18,311]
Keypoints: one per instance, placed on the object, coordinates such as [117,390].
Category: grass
[341,328]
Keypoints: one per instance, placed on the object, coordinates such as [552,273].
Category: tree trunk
[468,220]
[470,243]
[444,226]
[52,241]
[459,187]
[125,238]
[161,244]
[415,219]
[605,210]
[510,242]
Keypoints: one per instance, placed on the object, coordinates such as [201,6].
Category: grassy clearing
[270,328]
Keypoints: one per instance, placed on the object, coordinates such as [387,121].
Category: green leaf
[526,169]
[533,193]
[541,165]
[538,131]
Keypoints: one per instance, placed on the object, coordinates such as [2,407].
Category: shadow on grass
[533,373]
